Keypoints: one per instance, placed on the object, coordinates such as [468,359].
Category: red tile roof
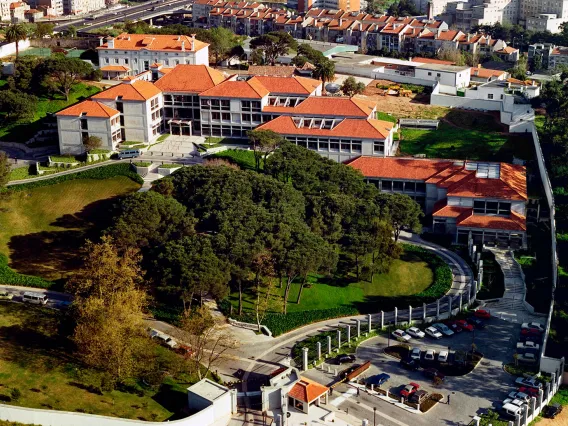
[231,88]
[441,209]
[89,108]
[432,61]
[275,71]
[348,127]
[307,390]
[190,79]
[289,85]
[511,184]
[154,42]
[514,222]
[139,90]
[117,68]
[486,73]
[330,106]
[448,35]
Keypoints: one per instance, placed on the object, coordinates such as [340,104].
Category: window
[334,146]
[107,60]
[216,115]
[378,147]
[225,104]
[356,147]
[397,186]
[490,96]
[492,207]
[245,105]
[438,75]
[386,185]
[429,73]
[125,61]
[246,118]
[345,147]
[226,116]
[256,118]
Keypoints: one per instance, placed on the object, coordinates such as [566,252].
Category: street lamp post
[374,416]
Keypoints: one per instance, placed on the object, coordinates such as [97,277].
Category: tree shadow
[53,254]
[173,400]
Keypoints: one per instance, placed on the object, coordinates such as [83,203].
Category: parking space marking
[344,396]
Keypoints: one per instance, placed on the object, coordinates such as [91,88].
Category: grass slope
[38,362]
[41,229]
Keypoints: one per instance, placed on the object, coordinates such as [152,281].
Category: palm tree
[14,34]
[325,71]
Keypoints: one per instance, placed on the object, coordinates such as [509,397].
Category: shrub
[15,393]
[99,173]
[9,276]
[142,164]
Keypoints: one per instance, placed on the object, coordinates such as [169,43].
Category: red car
[530,332]
[465,325]
[409,389]
[529,391]
[482,313]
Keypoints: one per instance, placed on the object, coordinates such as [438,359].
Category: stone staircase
[148,179]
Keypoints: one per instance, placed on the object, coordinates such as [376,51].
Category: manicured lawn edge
[9,276]
[99,173]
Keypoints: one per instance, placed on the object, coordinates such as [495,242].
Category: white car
[163,338]
[415,332]
[519,395]
[432,332]
[532,325]
[443,356]
[517,402]
[528,345]
[401,336]
[415,354]
[430,355]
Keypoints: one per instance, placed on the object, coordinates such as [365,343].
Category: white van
[35,298]
[511,410]
[129,153]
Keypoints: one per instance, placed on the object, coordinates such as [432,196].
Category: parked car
[401,336]
[465,325]
[184,350]
[4,295]
[536,325]
[432,373]
[519,395]
[530,332]
[409,389]
[528,383]
[527,358]
[432,332]
[415,354]
[379,379]
[510,410]
[528,345]
[129,153]
[551,411]
[443,328]
[344,359]
[163,338]
[415,332]
[482,313]
[35,298]
[536,337]
[443,356]
[529,391]
[418,397]
[476,322]
[410,364]
[517,402]
[454,326]
[430,355]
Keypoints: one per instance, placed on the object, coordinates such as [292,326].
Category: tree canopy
[351,87]
[274,44]
[62,73]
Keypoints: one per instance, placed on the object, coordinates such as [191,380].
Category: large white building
[131,54]
[76,7]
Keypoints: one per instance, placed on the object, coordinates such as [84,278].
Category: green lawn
[385,117]
[39,362]
[408,275]
[21,132]
[42,229]
[458,143]
[244,159]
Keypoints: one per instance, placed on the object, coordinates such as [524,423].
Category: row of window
[500,208]
[227,117]
[218,130]
[181,100]
[144,52]
[182,113]
[398,186]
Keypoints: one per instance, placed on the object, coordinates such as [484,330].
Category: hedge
[167,313]
[99,173]
[443,277]
[9,276]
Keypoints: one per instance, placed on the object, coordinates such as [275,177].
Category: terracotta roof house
[306,393]
[482,200]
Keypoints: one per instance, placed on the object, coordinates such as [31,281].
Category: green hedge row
[443,277]
[282,323]
[9,276]
[169,314]
[104,172]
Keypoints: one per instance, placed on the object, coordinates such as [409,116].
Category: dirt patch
[560,420]
[415,106]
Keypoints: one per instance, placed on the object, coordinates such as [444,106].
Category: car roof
[511,407]
[414,384]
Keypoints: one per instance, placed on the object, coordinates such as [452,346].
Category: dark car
[476,322]
[536,338]
[454,327]
[551,411]
[482,313]
[432,373]
[344,359]
[410,364]
[379,379]
[418,396]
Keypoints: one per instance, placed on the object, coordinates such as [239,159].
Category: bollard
[409,315]
[335,372]
[468,294]
[461,301]
[358,329]
[450,305]
[329,345]
[437,308]
[338,339]
[424,312]
[395,315]
[318,346]
[349,335]
[369,322]
[304,359]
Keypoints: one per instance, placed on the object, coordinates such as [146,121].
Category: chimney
[479,66]
[110,43]
[101,41]
[193,42]
[430,11]
[183,46]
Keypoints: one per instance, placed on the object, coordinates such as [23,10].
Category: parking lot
[485,387]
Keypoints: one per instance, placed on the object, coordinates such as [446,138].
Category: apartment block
[131,54]
[77,7]
[484,200]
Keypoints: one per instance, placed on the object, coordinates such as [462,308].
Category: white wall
[135,59]
[446,78]
[10,48]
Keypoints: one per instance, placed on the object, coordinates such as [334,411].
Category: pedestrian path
[148,179]
[511,307]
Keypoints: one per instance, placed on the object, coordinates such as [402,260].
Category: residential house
[484,200]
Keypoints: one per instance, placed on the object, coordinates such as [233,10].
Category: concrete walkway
[511,307]
[148,179]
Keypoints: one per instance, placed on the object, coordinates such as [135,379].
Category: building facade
[480,199]
[131,54]
[77,7]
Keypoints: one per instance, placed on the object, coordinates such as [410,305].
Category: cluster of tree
[107,317]
[378,6]
[520,37]
[268,47]
[17,32]
[351,87]
[223,43]
[34,77]
[324,68]
[403,8]
[206,228]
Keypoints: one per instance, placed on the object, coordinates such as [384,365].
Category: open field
[41,229]
[407,276]
[37,361]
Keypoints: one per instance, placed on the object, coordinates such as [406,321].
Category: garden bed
[430,402]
